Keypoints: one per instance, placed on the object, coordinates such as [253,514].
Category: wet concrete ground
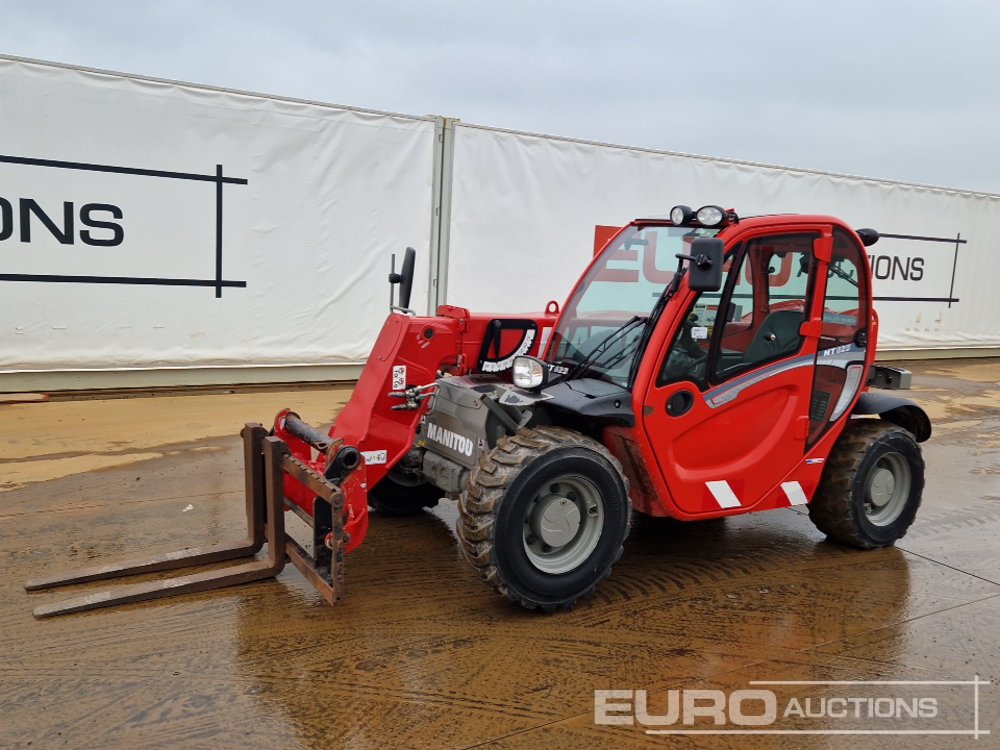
[422,654]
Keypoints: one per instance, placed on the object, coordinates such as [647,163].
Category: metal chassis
[267,461]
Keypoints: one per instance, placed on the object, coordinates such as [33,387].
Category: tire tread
[831,509]
[486,486]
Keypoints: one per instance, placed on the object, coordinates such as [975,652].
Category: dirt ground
[421,654]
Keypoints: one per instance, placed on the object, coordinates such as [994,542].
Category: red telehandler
[703,366]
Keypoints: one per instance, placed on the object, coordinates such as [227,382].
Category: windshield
[623,284]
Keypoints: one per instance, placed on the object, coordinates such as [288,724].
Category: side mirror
[705,272]
[404,278]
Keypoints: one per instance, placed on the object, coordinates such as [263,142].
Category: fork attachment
[268,460]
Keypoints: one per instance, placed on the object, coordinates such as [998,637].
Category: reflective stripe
[723,494]
[794,493]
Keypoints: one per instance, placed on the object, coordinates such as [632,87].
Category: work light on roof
[707,216]
[710,216]
[681,215]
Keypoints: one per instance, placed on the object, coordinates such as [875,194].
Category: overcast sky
[898,90]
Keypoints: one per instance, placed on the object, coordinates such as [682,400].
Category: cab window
[773,279]
[844,312]
[754,321]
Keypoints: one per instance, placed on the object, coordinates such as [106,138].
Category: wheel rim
[887,489]
[563,524]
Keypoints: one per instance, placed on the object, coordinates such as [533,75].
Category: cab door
[727,416]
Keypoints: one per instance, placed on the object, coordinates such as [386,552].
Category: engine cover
[458,425]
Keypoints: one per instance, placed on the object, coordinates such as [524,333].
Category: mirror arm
[702,261]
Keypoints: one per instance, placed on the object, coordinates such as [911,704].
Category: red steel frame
[449,342]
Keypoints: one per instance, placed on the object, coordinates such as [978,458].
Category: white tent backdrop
[524,208]
[299,230]
[157,227]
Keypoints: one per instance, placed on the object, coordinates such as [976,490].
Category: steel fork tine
[259,469]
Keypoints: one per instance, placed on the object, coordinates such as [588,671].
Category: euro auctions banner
[149,224]
[154,225]
[532,205]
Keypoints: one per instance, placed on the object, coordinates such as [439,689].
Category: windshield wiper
[658,308]
[849,278]
[602,347]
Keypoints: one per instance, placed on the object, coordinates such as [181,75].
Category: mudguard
[899,411]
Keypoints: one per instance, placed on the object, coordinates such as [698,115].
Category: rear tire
[544,516]
[391,497]
[871,486]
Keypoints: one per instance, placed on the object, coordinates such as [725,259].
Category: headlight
[528,372]
[710,216]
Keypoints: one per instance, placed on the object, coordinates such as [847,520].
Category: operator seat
[777,336]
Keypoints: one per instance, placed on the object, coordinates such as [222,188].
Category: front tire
[871,486]
[544,516]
